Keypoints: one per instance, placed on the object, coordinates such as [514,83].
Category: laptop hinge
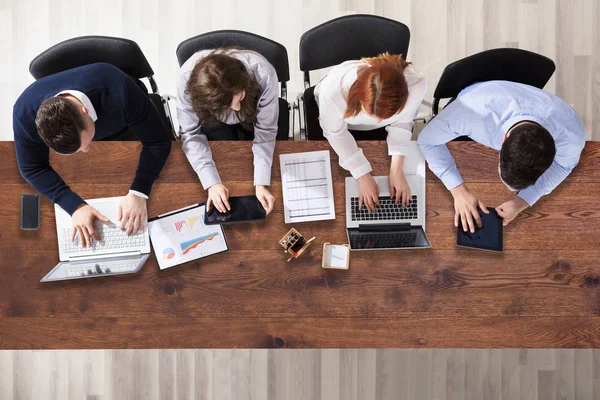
[384,227]
[102,256]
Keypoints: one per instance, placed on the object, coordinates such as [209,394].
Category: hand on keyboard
[83,224]
[399,189]
[369,192]
[132,213]
[110,237]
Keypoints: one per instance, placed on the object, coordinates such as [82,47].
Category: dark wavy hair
[526,154]
[60,123]
[214,81]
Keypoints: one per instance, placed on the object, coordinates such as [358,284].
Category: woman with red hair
[367,94]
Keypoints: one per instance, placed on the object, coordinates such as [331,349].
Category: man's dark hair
[59,123]
[526,153]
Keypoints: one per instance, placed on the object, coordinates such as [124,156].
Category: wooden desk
[543,291]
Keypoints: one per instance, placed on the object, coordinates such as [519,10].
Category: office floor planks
[543,291]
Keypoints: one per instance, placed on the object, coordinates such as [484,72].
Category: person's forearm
[397,163]
[152,160]
[459,190]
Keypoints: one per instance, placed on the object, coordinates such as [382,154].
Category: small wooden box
[336,256]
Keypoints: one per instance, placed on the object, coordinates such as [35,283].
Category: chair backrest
[274,52]
[123,53]
[351,37]
[506,64]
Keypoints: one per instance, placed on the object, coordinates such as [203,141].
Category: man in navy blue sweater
[65,112]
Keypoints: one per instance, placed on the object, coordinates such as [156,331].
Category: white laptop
[391,226]
[115,253]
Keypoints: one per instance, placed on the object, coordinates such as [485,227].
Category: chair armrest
[291,111]
[166,98]
[299,104]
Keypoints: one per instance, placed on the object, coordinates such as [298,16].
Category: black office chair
[506,64]
[123,53]
[274,52]
[333,42]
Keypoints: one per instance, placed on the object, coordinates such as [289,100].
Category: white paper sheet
[336,256]
[182,237]
[307,186]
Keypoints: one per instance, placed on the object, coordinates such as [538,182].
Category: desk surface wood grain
[543,291]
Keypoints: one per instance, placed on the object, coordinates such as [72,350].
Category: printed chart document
[181,237]
[307,186]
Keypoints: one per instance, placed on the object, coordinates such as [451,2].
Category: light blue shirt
[486,111]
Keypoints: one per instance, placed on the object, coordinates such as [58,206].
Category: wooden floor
[442,31]
[543,291]
[300,374]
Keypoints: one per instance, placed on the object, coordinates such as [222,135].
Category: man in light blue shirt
[539,137]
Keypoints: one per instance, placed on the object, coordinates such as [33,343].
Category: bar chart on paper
[307,186]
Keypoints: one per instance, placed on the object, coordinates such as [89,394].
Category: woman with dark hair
[367,94]
[228,94]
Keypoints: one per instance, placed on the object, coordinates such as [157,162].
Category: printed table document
[307,186]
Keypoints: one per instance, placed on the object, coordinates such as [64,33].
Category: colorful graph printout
[179,225]
[193,220]
[192,244]
[168,253]
[182,244]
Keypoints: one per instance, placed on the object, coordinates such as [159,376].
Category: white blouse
[331,93]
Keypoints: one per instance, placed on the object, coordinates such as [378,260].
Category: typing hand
[399,189]
[83,224]
[465,206]
[265,197]
[369,192]
[132,212]
[509,210]
[219,196]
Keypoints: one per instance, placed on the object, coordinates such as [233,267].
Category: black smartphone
[30,212]
[243,209]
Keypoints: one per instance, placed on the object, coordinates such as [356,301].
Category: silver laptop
[114,254]
[391,226]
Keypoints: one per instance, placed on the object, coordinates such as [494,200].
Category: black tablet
[243,209]
[488,237]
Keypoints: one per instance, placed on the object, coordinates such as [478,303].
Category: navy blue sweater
[119,103]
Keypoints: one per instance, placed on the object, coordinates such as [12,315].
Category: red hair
[380,87]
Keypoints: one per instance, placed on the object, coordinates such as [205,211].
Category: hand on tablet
[265,197]
[509,210]
[219,196]
[465,206]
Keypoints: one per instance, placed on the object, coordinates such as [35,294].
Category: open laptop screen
[414,237]
[96,268]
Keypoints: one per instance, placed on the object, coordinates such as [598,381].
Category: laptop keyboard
[384,240]
[121,268]
[110,239]
[387,211]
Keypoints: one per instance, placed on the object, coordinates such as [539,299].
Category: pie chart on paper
[168,253]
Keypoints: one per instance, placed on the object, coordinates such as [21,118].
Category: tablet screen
[243,209]
[488,237]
